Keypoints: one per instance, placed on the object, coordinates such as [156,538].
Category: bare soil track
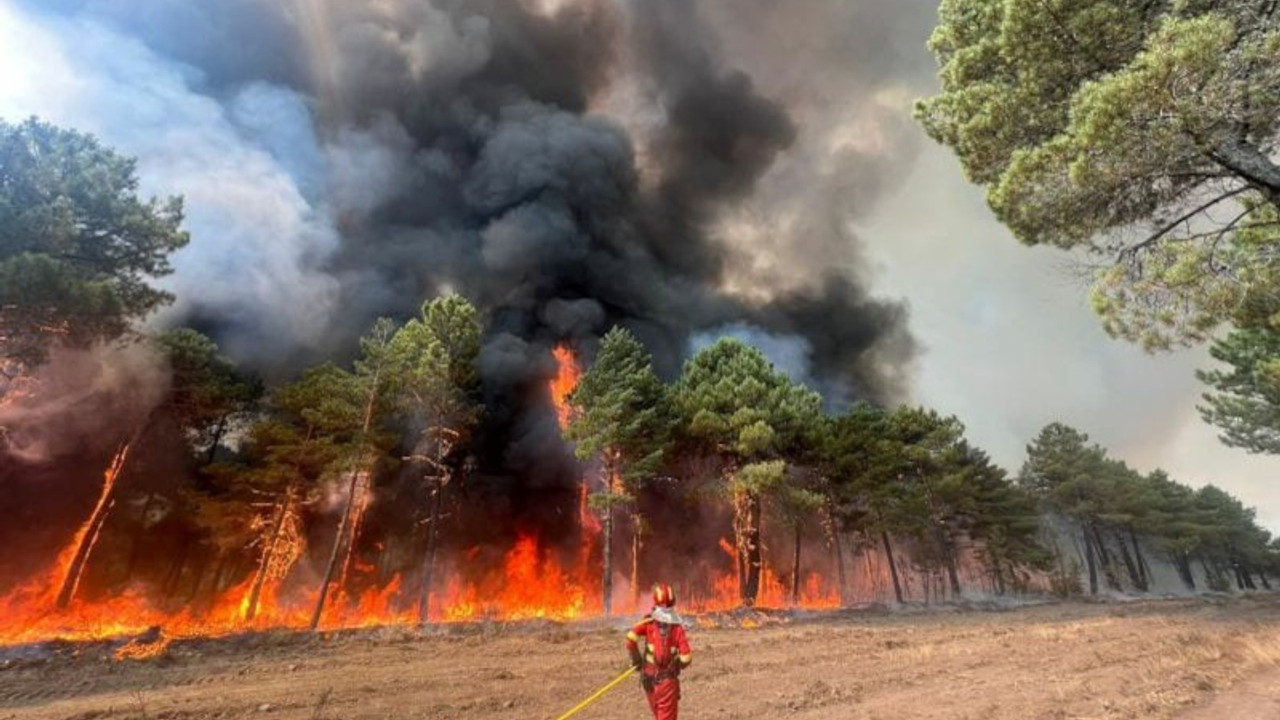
[1139,659]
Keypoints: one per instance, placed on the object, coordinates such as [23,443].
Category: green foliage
[733,402]
[1105,497]
[1245,403]
[910,473]
[206,391]
[1065,472]
[303,439]
[77,244]
[433,374]
[622,411]
[1140,133]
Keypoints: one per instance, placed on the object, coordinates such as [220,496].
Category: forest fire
[531,580]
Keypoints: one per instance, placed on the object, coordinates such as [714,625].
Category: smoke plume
[675,167]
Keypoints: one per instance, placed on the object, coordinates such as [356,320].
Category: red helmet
[663,595]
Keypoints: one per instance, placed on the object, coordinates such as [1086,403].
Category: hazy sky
[1010,344]
[1008,340]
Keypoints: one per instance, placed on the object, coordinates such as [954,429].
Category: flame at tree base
[530,581]
[530,584]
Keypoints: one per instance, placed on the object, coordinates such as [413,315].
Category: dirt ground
[1190,659]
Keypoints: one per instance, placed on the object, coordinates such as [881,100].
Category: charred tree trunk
[1262,577]
[1104,558]
[949,559]
[429,562]
[338,541]
[1144,570]
[997,571]
[1244,575]
[89,533]
[893,566]
[637,529]
[1135,575]
[795,570]
[353,536]
[838,548]
[941,536]
[1089,562]
[1183,562]
[268,553]
[752,561]
[218,432]
[1213,575]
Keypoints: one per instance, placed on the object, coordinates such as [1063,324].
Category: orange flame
[531,580]
[567,375]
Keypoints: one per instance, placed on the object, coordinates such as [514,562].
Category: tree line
[259,465]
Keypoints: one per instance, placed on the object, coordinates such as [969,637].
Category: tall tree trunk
[1183,561]
[1089,562]
[838,548]
[1262,577]
[338,541]
[1144,570]
[268,553]
[940,536]
[353,536]
[606,582]
[795,570]
[636,530]
[752,561]
[1104,558]
[948,558]
[893,566]
[1213,577]
[218,432]
[89,532]
[998,573]
[429,562]
[1135,577]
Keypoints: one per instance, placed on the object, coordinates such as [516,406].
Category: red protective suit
[666,652]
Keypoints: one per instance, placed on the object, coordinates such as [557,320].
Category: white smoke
[82,399]
[260,228]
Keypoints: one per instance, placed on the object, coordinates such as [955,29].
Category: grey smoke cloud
[87,401]
[238,165]
[397,148]
[744,163]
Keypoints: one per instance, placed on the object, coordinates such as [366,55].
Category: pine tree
[733,404]
[622,417]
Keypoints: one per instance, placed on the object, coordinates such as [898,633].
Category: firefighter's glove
[637,661]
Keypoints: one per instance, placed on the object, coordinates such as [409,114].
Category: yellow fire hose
[596,695]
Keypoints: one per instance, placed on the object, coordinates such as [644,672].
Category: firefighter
[659,649]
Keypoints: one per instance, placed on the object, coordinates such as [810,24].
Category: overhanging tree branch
[1173,225]
[1251,164]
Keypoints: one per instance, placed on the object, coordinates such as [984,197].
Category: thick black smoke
[469,145]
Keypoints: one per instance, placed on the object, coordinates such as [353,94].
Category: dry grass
[1082,661]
